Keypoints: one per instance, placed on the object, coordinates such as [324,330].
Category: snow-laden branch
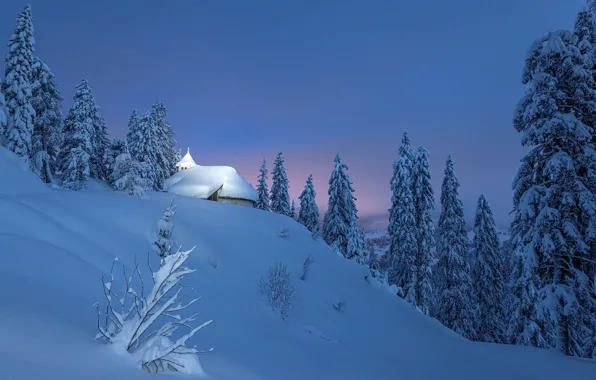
[135,327]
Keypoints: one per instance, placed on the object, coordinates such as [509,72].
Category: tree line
[536,289]
[77,146]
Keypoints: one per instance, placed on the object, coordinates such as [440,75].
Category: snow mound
[203,181]
[14,169]
[56,245]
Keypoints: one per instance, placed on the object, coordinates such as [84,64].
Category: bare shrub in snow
[339,305]
[306,267]
[284,234]
[162,242]
[142,325]
[277,288]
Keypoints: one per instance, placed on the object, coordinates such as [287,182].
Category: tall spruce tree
[75,154]
[3,116]
[166,143]
[405,153]
[100,143]
[47,132]
[455,309]
[143,146]
[554,225]
[357,249]
[341,208]
[585,29]
[525,326]
[262,202]
[127,175]
[133,122]
[117,147]
[293,214]
[404,245]
[17,86]
[487,276]
[87,114]
[424,205]
[309,211]
[280,198]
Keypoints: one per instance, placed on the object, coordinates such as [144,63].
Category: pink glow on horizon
[372,197]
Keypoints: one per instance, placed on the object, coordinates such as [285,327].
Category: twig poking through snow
[339,306]
[306,267]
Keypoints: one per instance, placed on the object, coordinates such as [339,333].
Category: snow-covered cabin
[214,183]
[186,162]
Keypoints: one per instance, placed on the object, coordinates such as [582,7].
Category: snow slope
[55,246]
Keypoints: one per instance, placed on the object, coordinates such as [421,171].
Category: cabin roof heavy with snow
[215,183]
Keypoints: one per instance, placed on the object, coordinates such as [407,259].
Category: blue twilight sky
[245,79]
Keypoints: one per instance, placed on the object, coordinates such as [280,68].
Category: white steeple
[186,161]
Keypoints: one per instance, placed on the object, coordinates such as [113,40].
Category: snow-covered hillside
[56,245]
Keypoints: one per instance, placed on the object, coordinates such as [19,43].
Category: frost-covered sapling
[136,323]
[128,175]
[374,264]
[306,267]
[162,243]
[277,288]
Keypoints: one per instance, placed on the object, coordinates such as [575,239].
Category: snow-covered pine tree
[3,116]
[165,140]
[128,175]
[424,205]
[404,245]
[133,127]
[142,142]
[309,211]
[17,86]
[100,143]
[116,148]
[75,153]
[524,328]
[262,189]
[76,173]
[98,134]
[585,29]
[405,152]
[47,132]
[162,243]
[455,308]
[341,208]
[280,198]
[375,267]
[487,277]
[553,230]
[293,214]
[357,250]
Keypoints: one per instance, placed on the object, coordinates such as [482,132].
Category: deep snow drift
[56,244]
